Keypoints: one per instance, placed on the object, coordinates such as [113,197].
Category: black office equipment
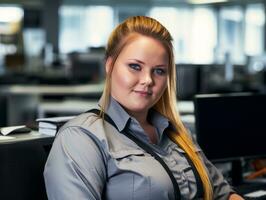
[230,127]
[33,18]
[188,80]
[86,67]
[3,113]
[23,159]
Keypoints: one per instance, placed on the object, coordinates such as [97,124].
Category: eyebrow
[136,60]
[141,62]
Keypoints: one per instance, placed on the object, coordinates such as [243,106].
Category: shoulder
[85,125]
[81,137]
[89,123]
[91,126]
[83,120]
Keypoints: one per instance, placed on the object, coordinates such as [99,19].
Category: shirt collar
[117,113]
[159,121]
[121,118]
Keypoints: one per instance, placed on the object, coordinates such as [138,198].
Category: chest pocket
[126,153]
[127,175]
[185,161]
[184,171]
[176,153]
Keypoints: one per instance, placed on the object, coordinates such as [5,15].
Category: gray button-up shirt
[90,159]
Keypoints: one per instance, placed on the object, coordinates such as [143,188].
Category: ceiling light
[205,1]
[11,14]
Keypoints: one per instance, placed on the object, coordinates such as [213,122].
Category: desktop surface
[252,190]
[33,136]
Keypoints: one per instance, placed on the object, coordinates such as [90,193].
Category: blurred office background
[48,46]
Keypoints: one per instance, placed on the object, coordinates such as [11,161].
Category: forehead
[144,46]
[139,39]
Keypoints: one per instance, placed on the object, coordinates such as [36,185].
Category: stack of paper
[51,125]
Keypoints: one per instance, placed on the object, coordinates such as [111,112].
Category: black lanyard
[149,150]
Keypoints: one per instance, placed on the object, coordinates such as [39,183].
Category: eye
[134,66]
[160,71]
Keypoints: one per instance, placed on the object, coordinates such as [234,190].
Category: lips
[144,93]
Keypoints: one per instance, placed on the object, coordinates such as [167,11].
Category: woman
[93,159]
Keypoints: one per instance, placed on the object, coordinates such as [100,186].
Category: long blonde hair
[166,105]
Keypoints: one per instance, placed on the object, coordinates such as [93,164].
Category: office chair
[21,171]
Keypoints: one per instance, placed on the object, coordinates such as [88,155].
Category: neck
[147,127]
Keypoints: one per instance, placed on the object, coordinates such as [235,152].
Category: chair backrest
[21,171]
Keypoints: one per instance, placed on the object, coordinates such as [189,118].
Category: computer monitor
[188,81]
[86,67]
[231,126]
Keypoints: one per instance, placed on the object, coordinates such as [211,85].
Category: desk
[63,108]
[22,100]
[22,163]
[33,136]
[51,89]
[248,188]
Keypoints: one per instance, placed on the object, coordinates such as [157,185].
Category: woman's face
[139,76]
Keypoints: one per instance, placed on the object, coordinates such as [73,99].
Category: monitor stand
[237,172]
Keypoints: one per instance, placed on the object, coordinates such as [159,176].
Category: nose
[146,78]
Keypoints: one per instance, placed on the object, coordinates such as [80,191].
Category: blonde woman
[92,158]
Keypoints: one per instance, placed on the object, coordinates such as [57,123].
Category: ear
[108,64]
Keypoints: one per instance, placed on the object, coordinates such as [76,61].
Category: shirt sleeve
[221,188]
[75,168]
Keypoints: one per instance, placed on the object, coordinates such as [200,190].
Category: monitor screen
[188,81]
[231,126]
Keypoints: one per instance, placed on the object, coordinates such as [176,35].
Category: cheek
[121,80]
[159,90]
[162,84]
